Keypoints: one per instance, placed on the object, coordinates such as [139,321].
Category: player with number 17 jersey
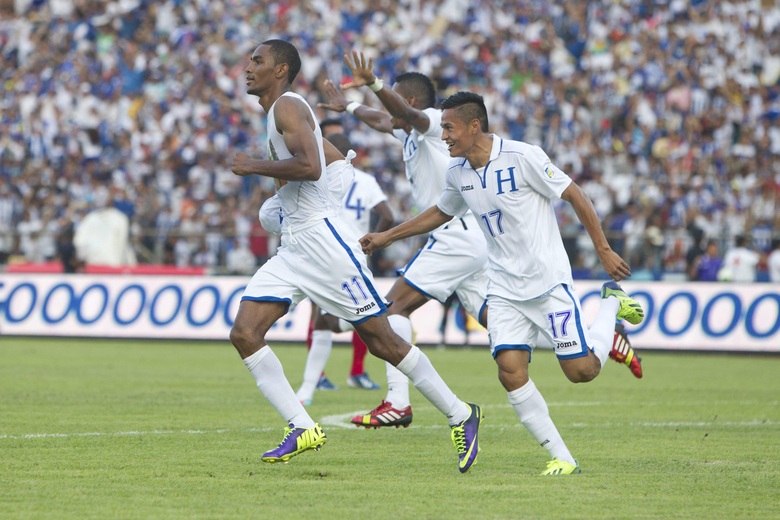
[511,197]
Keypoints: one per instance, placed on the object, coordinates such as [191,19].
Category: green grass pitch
[148,429]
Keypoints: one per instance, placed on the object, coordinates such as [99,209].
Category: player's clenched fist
[373,242]
[242,164]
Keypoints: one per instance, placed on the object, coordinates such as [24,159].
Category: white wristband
[352,106]
[377,85]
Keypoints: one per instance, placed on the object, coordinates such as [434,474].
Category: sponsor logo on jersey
[549,169]
[467,188]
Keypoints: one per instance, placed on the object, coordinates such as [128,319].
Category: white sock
[269,377]
[344,325]
[532,411]
[321,347]
[603,328]
[397,382]
[420,371]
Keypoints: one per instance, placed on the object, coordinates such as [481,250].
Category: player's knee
[243,337]
[512,380]
[582,374]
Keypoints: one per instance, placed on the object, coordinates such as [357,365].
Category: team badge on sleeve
[549,170]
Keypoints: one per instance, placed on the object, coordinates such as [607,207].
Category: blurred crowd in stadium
[665,111]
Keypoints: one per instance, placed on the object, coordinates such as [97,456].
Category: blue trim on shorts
[268,299]
[366,318]
[578,320]
[409,263]
[410,284]
[481,310]
[369,285]
[506,346]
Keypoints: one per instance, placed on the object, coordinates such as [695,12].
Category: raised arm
[296,124]
[613,264]
[363,74]
[426,221]
[376,119]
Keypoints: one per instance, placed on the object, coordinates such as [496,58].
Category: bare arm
[376,119]
[613,264]
[426,221]
[294,122]
[384,216]
[363,74]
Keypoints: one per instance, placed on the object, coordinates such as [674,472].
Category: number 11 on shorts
[358,289]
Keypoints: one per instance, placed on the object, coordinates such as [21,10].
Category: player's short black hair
[420,86]
[341,142]
[331,121]
[285,52]
[470,106]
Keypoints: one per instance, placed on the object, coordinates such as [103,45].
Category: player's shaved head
[468,106]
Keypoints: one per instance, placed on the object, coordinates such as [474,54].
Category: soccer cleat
[362,381]
[622,352]
[560,467]
[465,438]
[325,384]
[630,309]
[384,415]
[295,441]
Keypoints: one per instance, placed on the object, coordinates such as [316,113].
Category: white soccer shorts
[323,262]
[555,318]
[454,260]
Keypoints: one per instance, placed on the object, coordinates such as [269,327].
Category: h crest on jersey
[503,180]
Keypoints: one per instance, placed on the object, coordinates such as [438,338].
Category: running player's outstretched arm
[363,74]
[376,119]
[426,221]
[296,124]
[613,264]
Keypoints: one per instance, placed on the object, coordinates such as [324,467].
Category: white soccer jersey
[362,195]
[742,262]
[512,199]
[426,159]
[340,176]
[303,202]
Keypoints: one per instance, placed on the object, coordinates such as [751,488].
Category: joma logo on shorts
[366,307]
[565,344]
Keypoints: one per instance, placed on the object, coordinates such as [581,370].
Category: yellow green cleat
[560,467]
[630,309]
[295,441]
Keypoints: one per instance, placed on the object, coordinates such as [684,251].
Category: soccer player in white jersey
[454,258]
[511,187]
[362,198]
[318,258]
[341,179]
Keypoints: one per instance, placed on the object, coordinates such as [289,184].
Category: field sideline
[150,429]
